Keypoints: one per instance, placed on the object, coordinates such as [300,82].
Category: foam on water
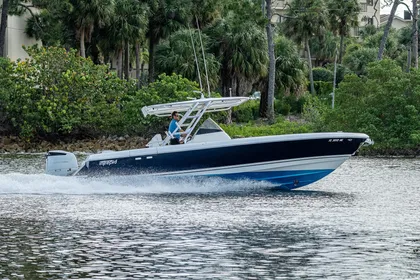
[17,183]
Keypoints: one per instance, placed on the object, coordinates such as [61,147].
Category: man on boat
[175,130]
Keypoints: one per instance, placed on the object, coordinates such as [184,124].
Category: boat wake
[17,183]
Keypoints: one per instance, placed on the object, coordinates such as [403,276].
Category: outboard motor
[61,163]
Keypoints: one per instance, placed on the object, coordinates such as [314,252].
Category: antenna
[196,61]
[204,57]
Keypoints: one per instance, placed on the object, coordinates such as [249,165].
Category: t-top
[172,127]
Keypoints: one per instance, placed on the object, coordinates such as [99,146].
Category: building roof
[384,19]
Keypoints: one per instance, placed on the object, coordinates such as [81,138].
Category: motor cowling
[60,163]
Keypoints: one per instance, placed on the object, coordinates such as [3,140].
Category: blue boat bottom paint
[287,180]
[284,179]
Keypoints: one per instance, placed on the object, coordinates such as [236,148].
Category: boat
[284,161]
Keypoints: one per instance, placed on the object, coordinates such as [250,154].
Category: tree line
[247,46]
[235,34]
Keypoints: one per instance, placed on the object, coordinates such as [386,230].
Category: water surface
[361,222]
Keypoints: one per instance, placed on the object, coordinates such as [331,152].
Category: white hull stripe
[302,164]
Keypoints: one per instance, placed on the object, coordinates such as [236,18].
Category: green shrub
[165,90]
[246,112]
[385,104]
[295,103]
[358,60]
[282,108]
[57,92]
[353,47]
[300,103]
[341,72]
[6,86]
[280,127]
[314,111]
[323,88]
[322,74]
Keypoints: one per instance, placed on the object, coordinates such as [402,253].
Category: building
[397,23]
[370,13]
[16,37]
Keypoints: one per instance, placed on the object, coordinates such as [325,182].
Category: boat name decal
[108,162]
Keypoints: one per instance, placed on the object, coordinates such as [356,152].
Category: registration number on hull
[108,162]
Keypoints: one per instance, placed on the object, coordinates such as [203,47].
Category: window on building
[356,31]
[370,2]
[363,7]
[370,21]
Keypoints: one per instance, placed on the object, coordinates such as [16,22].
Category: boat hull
[285,174]
[289,161]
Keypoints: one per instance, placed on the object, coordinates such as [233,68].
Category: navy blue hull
[224,156]
[237,155]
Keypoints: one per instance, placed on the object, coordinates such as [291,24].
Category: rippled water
[361,222]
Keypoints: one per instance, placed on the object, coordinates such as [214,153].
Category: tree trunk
[82,43]
[227,85]
[340,58]
[229,112]
[415,39]
[95,53]
[152,45]
[138,64]
[387,28]
[225,77]
[263,101]
[3,26]
[311,76]
[234,85]
[408,60]
[143,75]
[127,61]
[119,63]
[272,64]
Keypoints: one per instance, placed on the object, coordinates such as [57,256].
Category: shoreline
[15,145]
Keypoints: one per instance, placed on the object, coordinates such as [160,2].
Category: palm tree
[165,17]
[52,25]
[86,14]
[176,55]
[343,16]
[206,11]
[241,46]
[324,49]
[306,19]
[290,68]
[126,26]
[142,57]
